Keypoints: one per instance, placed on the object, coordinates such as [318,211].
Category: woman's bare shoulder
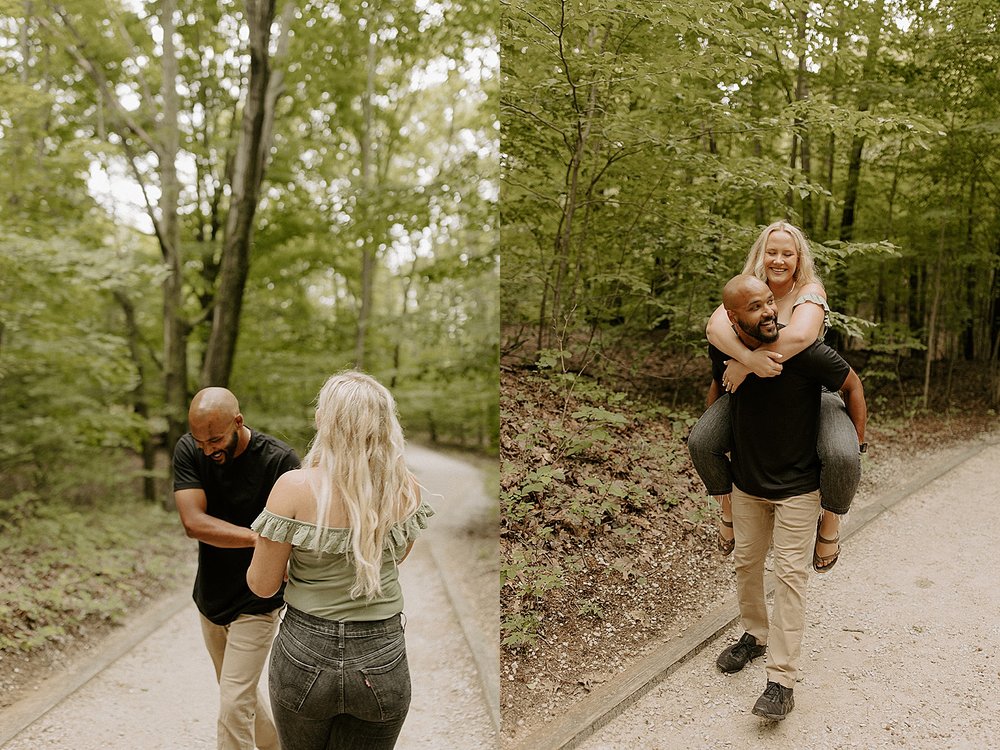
[292,492]
[813,288]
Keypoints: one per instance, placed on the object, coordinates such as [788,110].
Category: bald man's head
[750,305]
[216,423]
[214,401]
[738,288]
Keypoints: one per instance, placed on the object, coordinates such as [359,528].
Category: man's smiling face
[756,313]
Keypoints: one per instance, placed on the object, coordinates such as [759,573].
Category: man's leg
[239,652]
[794,531]
[753,522]
[215,642]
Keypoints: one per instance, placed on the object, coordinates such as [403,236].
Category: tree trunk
[758,201]
[25,40]
[140,404]
[864,103]
[248,174]
[401,327]
[970,337]
[367,190]
[801,94]
[564,234]
[831,146]
[932,319]
[175,328]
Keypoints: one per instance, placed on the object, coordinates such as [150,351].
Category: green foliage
[74,565]
[73,268]
[590,608]
[65,371]
[426,208]
[850,325]
[643,150]
[519,630]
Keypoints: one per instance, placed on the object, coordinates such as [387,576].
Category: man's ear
[732,317]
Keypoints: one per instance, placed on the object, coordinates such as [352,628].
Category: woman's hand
[735,374]
[763,363]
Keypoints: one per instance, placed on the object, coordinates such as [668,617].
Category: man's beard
[228,452]
[755,332]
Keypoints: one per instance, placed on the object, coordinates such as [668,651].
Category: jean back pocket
[290,678]
[386,687]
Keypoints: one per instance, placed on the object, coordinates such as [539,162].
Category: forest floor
[607,541]
[71,572]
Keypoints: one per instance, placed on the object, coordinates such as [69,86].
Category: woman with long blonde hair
[338,528]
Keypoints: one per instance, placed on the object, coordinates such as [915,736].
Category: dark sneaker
[734,658]
[775,702]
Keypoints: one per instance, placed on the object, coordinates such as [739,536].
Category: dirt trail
[162,695]
[901,649]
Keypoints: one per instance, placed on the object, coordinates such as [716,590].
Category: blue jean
[338,685]
[836,444]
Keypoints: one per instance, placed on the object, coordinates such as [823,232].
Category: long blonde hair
[358,449]
[805,269]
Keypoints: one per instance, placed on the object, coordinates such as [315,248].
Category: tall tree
[263,90]
[163,146]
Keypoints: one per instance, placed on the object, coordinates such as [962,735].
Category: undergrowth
[599,469]
[68,566]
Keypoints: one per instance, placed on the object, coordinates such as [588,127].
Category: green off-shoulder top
[320,577]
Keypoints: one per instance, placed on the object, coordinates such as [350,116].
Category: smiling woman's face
[781,258]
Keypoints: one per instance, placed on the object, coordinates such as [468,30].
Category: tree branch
[77,50]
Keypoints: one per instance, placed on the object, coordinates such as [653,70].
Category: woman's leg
[840,473]
[837,446]
[709,444]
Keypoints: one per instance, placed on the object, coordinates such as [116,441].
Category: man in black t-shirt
[776,485]
[223,474]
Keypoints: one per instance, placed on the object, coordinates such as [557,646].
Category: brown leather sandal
[726,545]
[821,563]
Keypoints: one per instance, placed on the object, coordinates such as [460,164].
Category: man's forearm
[857,410]
[219,533]
[714,391]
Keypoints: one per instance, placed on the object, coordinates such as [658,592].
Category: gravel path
[162,695]
[901,649]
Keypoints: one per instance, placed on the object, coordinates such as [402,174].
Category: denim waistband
[341,628]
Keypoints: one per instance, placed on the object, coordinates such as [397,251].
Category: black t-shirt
[236,492]
[775,422]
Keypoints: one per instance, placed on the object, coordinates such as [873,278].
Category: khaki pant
[239,651]
[791,525]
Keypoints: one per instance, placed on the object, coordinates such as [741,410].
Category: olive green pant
[789,524]
[239,651]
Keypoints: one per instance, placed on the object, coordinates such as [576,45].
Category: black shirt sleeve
[719,359]
[289,462]
[185,465]
[826,366]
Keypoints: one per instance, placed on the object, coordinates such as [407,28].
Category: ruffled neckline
[335,540]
